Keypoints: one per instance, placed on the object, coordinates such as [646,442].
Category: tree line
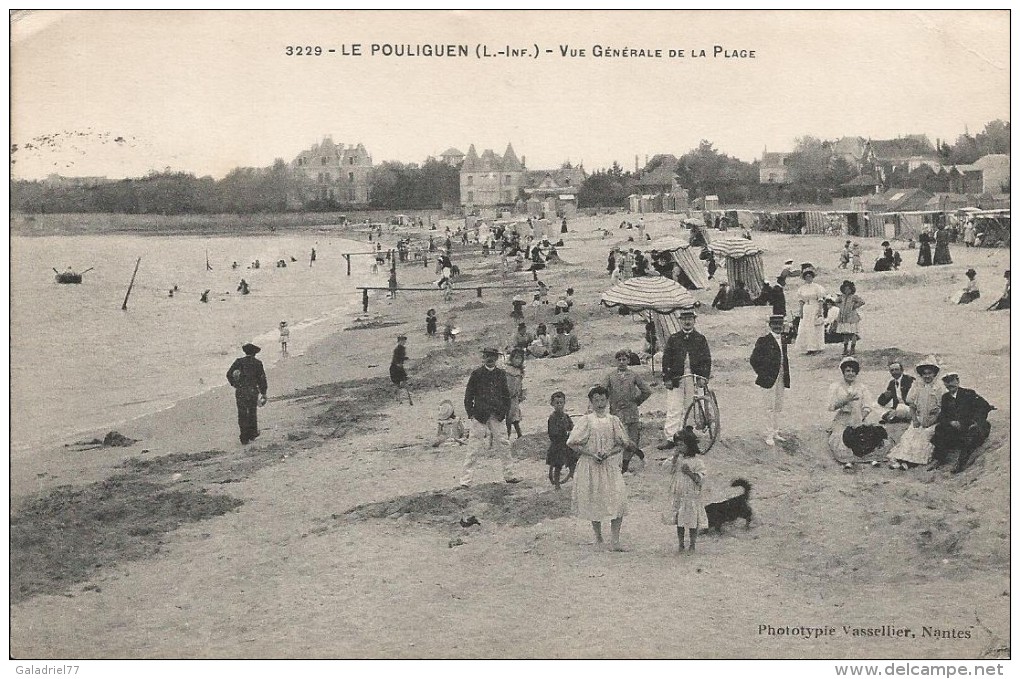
[244,190]
[816,174]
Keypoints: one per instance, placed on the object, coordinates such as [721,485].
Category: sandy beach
[337,534]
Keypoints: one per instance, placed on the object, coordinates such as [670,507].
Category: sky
[121,93]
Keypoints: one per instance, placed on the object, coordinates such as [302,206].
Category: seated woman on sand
[850,439]
[540,346]
[970,292]
[925,402]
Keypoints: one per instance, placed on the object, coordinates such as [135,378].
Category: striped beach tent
[684,255]
[743,262]
[649,293]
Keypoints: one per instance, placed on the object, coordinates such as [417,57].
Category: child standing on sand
[397,373]
[284,337]
[430,322]
[515,383]
[600,492]
[687,508]
[855,256]
[560,454]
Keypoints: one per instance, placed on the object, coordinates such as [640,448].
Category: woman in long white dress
[599,489]
[850,401]
[925,401]
[811,332]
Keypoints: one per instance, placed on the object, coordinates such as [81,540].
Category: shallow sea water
[79,362]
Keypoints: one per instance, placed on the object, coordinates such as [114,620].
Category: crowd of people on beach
[945,423]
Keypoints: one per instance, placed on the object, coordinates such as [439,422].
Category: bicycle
[703,413]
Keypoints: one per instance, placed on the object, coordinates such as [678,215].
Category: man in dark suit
[686,352]
[778,297]
[895,395]
[248,378]
[772,366]
[487,403]
[962,424]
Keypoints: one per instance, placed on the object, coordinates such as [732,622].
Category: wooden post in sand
[348,258]
[364,300]
[123,307]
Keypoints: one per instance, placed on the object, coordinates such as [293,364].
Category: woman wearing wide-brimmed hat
[811,330]
[924,400]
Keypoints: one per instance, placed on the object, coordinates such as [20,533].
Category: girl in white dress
[851,404]
[599,490]
[925,401]
[811,332]
[687,506]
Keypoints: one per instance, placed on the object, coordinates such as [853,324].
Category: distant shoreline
[229,224]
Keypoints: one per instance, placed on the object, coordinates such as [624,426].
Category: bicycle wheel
[703,416]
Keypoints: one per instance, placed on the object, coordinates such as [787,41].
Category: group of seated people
[727,299]
[541,345]
[946,421]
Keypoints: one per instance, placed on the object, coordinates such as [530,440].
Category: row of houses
[875,161]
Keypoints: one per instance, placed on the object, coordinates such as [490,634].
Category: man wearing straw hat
[487,404]
[771,364]
[686,352]
[248,378]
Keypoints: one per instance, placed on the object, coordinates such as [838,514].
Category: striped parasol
[649,293]
[735,248]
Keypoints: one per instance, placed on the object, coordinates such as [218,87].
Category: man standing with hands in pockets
[772,366]
[487,403]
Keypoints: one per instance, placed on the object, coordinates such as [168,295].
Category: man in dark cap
[248,378]
[962,424]
[772,366]
[487,403]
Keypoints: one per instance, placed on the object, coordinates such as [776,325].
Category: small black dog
[731,509]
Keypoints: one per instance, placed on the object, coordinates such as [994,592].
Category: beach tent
[743,262]
[995,225]
[684,255]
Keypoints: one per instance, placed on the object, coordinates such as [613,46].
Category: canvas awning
[683,254]
[734,248]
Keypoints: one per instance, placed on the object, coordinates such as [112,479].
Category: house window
[471,196]
[350,177]
[329,177]
[508,179]
[471,180]
[351,195]
[320,177]
[352,160]
[508,196]
[324,160]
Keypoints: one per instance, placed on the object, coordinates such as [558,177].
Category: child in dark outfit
[560,455]
[430,322]
[397,373]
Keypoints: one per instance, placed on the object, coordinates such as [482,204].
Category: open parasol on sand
[649,293]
